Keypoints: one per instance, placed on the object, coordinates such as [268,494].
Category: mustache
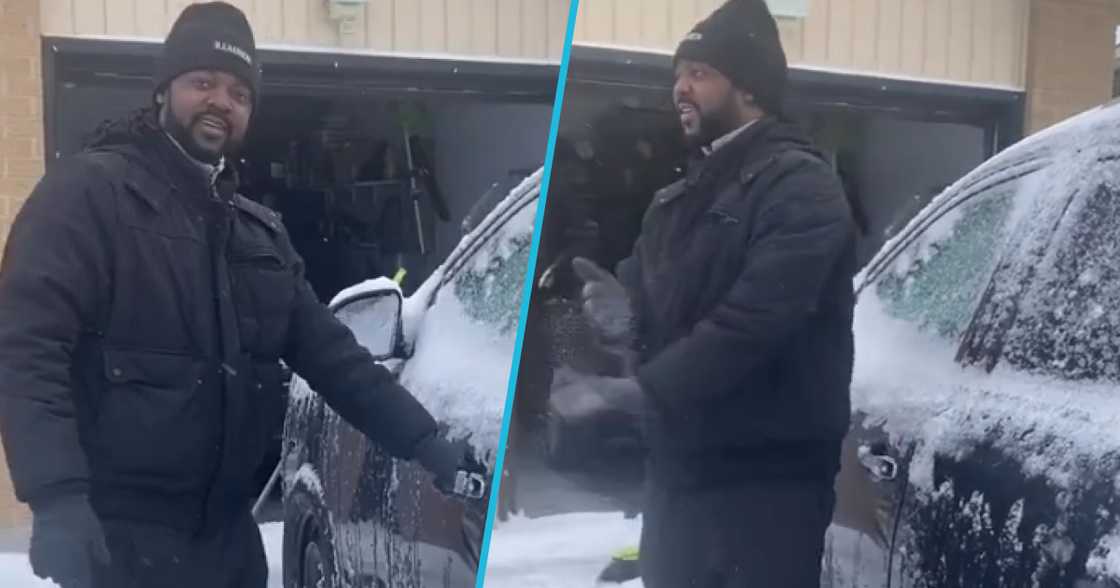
[684,102]
[197,119]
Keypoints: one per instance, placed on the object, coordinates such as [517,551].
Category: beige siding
[506,28]
[21,152]
[971,41]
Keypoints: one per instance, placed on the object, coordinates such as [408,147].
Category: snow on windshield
[460,373]
[463,354]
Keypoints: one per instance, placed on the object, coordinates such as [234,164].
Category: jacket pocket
[264,287]
[159,421]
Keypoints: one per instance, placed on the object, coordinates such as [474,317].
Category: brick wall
[21,148]
[1070,58]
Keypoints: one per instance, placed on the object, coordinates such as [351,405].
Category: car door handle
[883,468]
[470,485]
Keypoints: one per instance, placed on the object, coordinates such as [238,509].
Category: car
[353,515]
[985,446]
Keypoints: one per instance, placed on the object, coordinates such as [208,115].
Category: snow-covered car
[355,516]
[986,405]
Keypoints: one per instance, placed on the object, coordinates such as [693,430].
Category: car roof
[520,196]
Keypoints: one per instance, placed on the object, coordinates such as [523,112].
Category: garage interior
[376,163]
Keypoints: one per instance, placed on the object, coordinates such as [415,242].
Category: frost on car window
[936,282]
[1068,323]
[490,287]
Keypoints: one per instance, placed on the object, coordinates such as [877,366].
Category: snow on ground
[562,551]
[569,551]
[15,571]
[273,536]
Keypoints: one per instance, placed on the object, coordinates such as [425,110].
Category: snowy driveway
[561,551]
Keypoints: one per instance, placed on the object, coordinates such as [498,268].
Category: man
[144,308]
[738,302]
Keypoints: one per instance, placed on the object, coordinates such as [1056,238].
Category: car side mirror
[375,319]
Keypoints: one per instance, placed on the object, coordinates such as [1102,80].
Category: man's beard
[714,123]
[185,138]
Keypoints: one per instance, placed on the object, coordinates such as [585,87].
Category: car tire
[309,556]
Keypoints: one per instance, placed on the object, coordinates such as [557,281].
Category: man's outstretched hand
[605,303]
[457,471]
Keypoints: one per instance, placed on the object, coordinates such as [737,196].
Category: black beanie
[213,36]
[741,41]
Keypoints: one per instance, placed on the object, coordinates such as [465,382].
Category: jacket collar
[209,170]
[724,140]
[736,148]
[160,167]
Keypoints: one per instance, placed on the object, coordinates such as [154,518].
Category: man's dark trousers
[746,534]
[157,556]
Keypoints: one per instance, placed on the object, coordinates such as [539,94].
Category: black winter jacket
[143,313]
[742,285]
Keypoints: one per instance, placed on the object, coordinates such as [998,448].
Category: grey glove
[578,397]
[605,304]
[67,542]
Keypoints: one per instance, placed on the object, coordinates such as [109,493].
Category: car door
[459,368]
[916,301]
[1025,469]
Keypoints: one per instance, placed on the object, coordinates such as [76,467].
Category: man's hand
[579,397]
[457,471]
[605,303]
[67,542]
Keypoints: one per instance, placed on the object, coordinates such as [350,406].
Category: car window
[489,285]
[1068,322]
[937,280]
